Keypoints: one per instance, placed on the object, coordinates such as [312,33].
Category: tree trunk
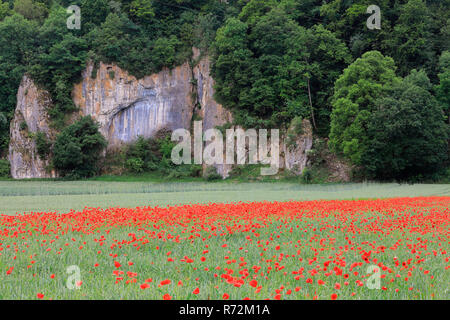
[311,106]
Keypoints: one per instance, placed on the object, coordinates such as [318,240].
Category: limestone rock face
[126,107]
[30,117]
[212,113]
[296,151]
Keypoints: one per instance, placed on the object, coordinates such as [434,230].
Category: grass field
[28,196]
[365,249]
[114,242]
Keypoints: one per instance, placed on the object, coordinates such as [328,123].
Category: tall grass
[62,196]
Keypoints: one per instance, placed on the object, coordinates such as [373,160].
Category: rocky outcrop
[212,113]
[296,146]
[30,118]
[126,107]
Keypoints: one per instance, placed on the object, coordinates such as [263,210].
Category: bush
[23,126]
[153,154]
[43,146]
[135,165]
[78,148]
[184,171]
[211,174]
[307,176]
[5,168]
[144,155]
[408,133]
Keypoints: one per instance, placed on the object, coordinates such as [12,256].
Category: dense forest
[380,97]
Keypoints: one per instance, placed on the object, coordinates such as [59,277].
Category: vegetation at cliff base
[78,148]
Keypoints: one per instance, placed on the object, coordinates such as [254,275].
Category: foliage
[5,168]
[30,9]
[17,43]
[43,146]
[268,69]
[142,156]
[443,89]
[412,32]
[78,148]
[407,132]
[154,155]
[211,174]
[273,60]
[4,10]
[354,98]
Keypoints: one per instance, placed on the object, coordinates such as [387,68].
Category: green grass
[151,261]
[62,196]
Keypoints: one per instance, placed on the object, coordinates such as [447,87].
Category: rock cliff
[126,107]
[296,148]
[30,117]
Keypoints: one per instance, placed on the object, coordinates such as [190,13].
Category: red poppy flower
[145,286]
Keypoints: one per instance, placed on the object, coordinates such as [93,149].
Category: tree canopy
[407,132]
[354,98]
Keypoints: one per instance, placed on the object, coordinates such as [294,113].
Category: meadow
[340,249]
[62,196]
[223,240]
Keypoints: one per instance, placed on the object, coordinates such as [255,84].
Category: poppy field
[339,249]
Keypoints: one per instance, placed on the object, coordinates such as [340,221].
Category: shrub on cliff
[43,146]
[78,148]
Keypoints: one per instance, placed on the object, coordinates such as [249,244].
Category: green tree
[314,61]
[78,148]
[407,132]
[269,70]
[410,44]
[32,10]
[164,52]
[93,13]
[110,38]
[4,10]
[353,102]
[17,46]
[58,63]
[5,168]
[43,145]
[142,9]
[443,89]
[255,10]
[232,63]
